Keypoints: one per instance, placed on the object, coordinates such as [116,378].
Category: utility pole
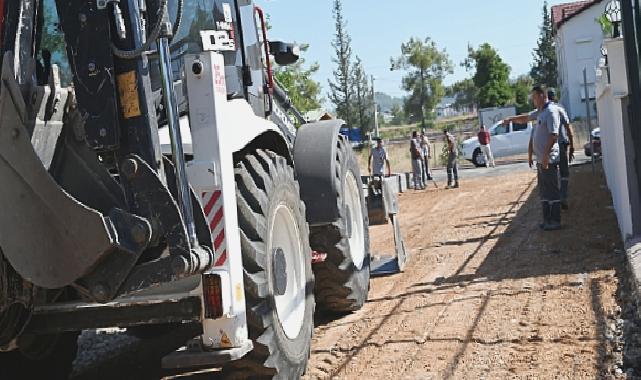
[375,109]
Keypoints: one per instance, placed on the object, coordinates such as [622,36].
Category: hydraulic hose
[153,36]
[179,19]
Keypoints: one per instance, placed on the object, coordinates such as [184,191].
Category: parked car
[506,140]
[596,140]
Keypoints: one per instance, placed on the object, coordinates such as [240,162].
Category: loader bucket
[49,237]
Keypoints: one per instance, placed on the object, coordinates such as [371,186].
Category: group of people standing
[552,144]
[420,153]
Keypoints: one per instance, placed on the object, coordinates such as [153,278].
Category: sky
[379,27]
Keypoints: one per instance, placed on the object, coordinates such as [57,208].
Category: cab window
[499,130]
[519,127]
[52,47]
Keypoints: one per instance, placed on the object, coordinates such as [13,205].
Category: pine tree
[341,88]
[544,69]
[426,67]
[363,97]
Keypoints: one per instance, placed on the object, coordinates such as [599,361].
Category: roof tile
[564,12]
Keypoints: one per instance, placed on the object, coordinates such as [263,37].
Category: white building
[447,108]
[578,39]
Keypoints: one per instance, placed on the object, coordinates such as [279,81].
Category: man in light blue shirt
[566,149]
[378,156]
[544,146]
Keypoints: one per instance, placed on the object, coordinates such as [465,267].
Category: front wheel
[278,277]
[342,280]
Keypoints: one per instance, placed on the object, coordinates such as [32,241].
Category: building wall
[610,95]
[578,45]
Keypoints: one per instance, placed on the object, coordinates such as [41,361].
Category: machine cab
[237,29]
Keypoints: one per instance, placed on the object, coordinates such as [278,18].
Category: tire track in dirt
[399,314]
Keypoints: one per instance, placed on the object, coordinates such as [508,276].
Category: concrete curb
[633,259]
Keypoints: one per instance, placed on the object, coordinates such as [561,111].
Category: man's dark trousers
[550,195]
[426,169]
[564,171]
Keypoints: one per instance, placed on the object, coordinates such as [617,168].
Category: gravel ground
[624,333]
[486,296]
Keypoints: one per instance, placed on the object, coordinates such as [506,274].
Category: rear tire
[478,160]
[40,357]
[271,216]
[342,280]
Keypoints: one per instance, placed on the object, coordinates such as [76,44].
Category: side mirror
[284,53]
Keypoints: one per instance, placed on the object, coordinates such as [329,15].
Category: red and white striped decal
[213,206]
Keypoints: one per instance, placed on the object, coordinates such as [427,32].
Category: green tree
[466,93]
[398,115]
[522,88]
[297,81]
[363,101]
[341,88]
[544,69]
[426,67]
[491,77]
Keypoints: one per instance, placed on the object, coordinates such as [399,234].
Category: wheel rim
[290,306]
[480,159]
[356,239]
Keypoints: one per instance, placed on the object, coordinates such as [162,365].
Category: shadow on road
[585,245]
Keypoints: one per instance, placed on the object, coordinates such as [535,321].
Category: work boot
[546,215]
[564,205]
[555,217]
[456,185]
[449,185]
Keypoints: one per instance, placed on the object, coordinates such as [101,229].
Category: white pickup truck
[505,141]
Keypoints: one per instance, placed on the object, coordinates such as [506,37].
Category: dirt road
[487,295]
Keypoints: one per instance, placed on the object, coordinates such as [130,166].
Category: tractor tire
[477,159]
[279,282]
[342,280]
[40,357]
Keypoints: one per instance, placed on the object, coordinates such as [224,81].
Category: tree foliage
[398,115]
[522,88]
[491,77]
[426,67]
[341,88]
[544,69]
[363,102]
[297,81]
[466,93]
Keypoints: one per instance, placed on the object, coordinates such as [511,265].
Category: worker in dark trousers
[566,149]
[544,145]
[417,162]
[452,160]
[426,154]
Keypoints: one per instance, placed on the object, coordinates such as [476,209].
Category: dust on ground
[487,294]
